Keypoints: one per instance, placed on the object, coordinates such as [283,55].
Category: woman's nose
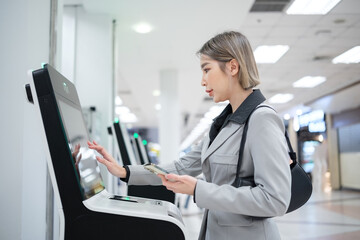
[203,83]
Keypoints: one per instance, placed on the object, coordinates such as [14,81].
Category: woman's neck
[239,97]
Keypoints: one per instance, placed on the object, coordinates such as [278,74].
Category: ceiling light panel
[156,93]
[143,28]
[350,56]
[281,98]
[312,7]
[270,54]
[309,82]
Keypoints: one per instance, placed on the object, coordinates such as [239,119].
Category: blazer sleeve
[268,150]
[190,164]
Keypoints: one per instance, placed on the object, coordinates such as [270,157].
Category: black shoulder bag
[301,186]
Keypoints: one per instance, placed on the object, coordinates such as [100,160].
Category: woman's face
[217,82]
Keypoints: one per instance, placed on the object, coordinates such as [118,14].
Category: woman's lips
[210,92]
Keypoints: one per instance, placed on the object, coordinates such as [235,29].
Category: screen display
[85,163]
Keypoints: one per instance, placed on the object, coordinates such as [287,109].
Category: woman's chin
[217,100]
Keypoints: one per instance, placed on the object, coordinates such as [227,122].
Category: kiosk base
[97,226]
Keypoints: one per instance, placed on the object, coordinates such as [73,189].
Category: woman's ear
[233,66]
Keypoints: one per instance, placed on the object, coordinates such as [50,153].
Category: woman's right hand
[113,167]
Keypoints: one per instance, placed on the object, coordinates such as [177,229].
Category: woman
[229,73]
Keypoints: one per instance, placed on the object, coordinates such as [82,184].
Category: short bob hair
[233,45]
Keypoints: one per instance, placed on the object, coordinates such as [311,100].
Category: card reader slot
[123,198]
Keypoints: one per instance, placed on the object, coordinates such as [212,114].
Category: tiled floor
[331,215]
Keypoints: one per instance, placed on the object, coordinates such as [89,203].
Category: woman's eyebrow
[204,64]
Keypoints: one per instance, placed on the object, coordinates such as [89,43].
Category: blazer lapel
[223,135]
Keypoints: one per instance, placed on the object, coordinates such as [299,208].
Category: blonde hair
[233,45]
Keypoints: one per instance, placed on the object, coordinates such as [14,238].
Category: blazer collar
[243,111]
[239,116]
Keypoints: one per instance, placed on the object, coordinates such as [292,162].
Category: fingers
[170,183]
[100,149]
[163,179]
[173,177]
[94,145]
[179,183]
[105,162]
[101,160]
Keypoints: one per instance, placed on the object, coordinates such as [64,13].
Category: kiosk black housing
[81,222]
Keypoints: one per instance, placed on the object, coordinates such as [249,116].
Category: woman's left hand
[179,184]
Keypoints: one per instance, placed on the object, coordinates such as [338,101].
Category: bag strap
[292,154]
[248,182]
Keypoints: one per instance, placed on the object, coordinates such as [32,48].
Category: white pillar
[169,128]
[24,45]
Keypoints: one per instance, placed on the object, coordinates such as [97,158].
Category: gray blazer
[236,213]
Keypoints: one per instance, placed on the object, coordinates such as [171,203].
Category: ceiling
[181,27]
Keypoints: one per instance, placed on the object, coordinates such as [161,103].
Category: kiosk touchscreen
[91,212]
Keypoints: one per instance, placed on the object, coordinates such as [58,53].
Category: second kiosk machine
[125,151]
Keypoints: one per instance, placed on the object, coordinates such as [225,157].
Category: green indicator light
[126,198]
[64,84]
[144,142]
[136,135]
[43,65]
[116,120]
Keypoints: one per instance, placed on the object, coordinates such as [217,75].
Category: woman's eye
[206,70]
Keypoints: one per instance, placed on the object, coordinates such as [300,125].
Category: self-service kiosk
[126,154]
[124,147]
[140,149]
[89,211]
